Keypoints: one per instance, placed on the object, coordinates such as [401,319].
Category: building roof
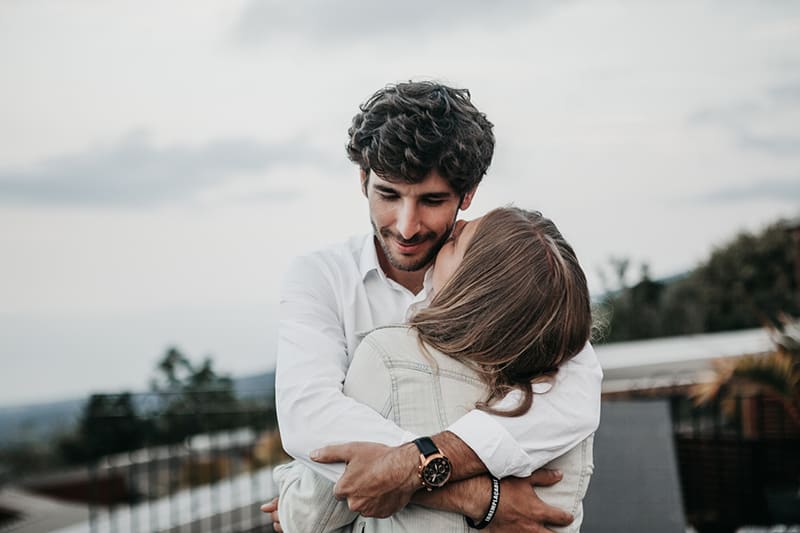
[38,514]
[670,361]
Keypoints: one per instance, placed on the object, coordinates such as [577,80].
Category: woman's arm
[306,502]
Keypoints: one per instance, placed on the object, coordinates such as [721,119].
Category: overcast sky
[160,162]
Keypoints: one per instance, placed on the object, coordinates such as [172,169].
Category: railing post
[92,495]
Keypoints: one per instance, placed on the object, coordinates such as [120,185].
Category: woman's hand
[271,508]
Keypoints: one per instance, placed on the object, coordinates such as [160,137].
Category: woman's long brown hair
[516,307]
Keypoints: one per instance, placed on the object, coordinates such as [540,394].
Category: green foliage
[186,399]
[750,281]
[109,424]
[196,399]
[744,284]
[777,373]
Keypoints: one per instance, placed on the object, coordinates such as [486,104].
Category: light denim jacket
[423,395]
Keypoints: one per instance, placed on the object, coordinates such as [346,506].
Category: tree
[109,424]
[190,400]
[632,312]
[195,399]
[750,280]
[744,283]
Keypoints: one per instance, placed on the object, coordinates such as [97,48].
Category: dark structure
[635,486]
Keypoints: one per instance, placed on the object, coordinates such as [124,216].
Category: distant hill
[37,422]
[258,385]
[40,422]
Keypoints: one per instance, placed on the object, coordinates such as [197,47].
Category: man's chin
[420,259]
[410,266]
[411,263]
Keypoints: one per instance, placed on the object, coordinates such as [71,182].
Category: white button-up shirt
[330,300]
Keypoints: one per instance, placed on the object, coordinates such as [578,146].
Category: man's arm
[557,421]
[519,509]
[312,361]
[379,480]
[313,411]
[311,508]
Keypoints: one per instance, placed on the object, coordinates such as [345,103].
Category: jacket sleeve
[306,502]
[558,420]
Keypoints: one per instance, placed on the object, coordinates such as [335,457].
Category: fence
[174,481]
[202,463]
[739,465]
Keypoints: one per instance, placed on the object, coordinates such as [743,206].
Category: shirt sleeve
[557,421]
[311,366]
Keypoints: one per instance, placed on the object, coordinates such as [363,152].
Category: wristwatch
[434,466]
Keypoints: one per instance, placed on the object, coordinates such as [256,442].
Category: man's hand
[271,508]
[378,480]
[520,509]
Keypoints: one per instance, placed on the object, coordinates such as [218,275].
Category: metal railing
[201,462]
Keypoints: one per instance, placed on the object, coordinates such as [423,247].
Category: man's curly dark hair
[407,130]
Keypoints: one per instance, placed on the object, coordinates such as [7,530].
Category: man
[422,149]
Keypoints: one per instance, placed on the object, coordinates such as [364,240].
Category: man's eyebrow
[436,195]
[385,189]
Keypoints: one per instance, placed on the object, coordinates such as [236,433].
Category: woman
[510,305]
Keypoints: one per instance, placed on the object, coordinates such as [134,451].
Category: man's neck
[413,281]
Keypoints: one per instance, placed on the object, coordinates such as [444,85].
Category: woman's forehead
[467,226]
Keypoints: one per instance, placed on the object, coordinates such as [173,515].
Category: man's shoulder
[343,256]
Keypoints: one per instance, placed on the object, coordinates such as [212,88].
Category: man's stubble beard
[417,265]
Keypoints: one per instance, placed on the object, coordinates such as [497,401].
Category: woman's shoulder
[397,344]
[394,333]
[392,339]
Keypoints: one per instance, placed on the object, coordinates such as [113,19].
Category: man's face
[412,221]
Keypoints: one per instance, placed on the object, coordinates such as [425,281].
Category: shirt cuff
[495,446]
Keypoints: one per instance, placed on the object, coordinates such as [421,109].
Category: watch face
[436,472]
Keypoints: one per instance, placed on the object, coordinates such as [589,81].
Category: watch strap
[426,446]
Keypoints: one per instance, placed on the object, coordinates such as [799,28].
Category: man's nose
[408,222]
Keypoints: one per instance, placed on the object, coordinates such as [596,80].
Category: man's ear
[364,180]
[465,203]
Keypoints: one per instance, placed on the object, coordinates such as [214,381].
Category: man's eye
[388,196]
[433,201]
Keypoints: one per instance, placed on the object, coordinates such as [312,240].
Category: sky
[161,162]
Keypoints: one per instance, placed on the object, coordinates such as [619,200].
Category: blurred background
[161,162]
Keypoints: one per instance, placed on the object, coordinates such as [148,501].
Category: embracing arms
[313,411]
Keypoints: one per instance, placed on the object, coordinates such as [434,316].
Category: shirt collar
[369,257]
[368,262]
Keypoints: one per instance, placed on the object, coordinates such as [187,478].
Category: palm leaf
[776,373]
